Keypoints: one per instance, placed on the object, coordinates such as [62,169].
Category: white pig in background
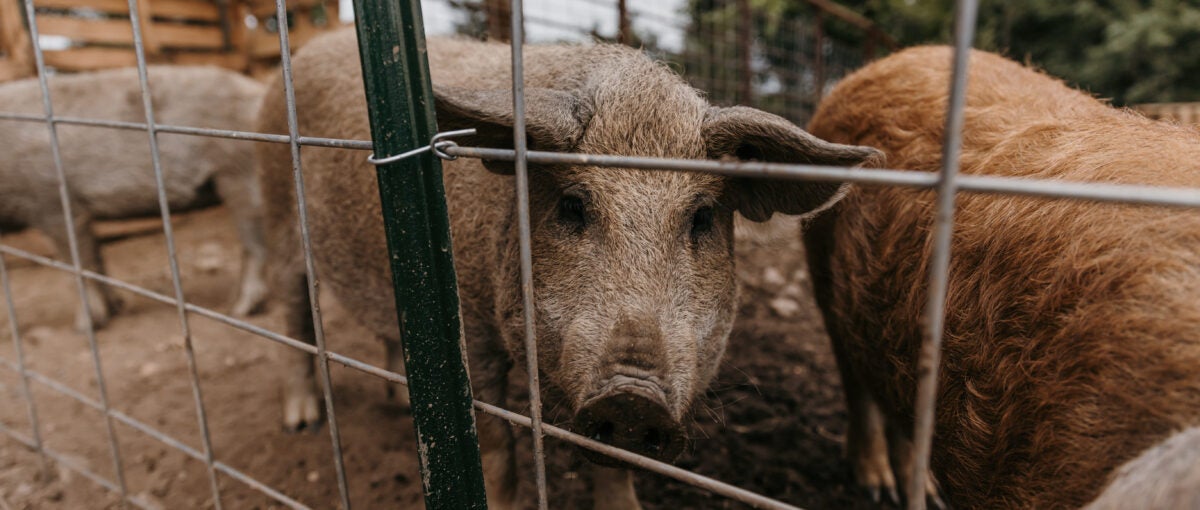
[110,173]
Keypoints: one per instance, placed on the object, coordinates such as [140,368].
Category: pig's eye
[572,212]
[702,222]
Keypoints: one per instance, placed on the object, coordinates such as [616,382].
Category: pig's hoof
[933,498]
[101,311]
[251,300]
[301,413]
[902,457]
[873,472]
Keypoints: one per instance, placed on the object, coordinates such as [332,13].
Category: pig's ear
[554,120]
[748,134]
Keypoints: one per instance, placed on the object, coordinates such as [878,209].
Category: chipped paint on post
[400,101]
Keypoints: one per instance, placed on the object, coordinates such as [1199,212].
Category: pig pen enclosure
[168,405]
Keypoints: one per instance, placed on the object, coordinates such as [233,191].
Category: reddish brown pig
[633,270]
[1072,338]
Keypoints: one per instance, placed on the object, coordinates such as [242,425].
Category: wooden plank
[11,71]
[150,42]
[233,61]
[187,9]
[199,10]
[265,44]
[171,35]
[110,6]
[14,41]
[86,59]
[264,8]
[111,31]
[237,27]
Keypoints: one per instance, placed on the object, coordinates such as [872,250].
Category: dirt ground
[773,422]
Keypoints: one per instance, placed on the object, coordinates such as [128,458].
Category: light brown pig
[633,269]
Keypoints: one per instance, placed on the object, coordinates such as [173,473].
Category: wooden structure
[81,35]
[1184,113]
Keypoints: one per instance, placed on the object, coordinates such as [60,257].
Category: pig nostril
[653,441]
[604,432]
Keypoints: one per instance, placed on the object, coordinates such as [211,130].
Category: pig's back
[110,171]
[343,195]
[1071,329]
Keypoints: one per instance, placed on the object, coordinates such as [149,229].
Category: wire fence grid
[733,50]
[947,185]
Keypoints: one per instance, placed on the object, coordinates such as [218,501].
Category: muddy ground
[773,422]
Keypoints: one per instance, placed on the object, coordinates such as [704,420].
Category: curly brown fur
[1072,334]
[624,286]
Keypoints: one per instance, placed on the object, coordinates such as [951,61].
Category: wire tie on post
[438,144]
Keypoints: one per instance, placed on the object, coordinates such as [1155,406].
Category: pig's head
[633,270]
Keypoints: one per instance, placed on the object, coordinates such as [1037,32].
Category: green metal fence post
[391,41]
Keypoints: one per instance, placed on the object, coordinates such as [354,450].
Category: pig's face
[633,275]
[633,269]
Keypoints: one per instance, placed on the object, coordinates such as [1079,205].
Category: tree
[1131,51]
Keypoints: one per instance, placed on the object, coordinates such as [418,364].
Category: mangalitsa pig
[110,174]
[633,270]
[1072,332]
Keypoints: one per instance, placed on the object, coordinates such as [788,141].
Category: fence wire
[947,184]
[172,258]
[85,312]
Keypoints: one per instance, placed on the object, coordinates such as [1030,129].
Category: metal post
[745,46]
[391,41]
[818,59]
[499,19]
[939,265]
[624,31]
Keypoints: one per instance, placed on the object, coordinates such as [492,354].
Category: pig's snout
[631,414]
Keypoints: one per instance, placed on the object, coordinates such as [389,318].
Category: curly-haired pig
[633,270]
[109,172]
[1072,332]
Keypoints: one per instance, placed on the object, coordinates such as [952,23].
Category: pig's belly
[135,199]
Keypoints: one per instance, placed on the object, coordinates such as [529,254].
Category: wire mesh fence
[734,51]
[946,183]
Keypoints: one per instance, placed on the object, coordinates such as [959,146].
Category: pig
[633,270]
[1165,477]
[110,174]
[1072,332]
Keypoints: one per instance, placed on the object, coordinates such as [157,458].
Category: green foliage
[1132,51]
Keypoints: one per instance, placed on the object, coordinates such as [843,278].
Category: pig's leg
[100,301]
[490,367]
[879,451]
[901,452]
[301,406]
[240,194]
[612,489]
[499,469]
[866,441]
[397,393]
[866,437]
